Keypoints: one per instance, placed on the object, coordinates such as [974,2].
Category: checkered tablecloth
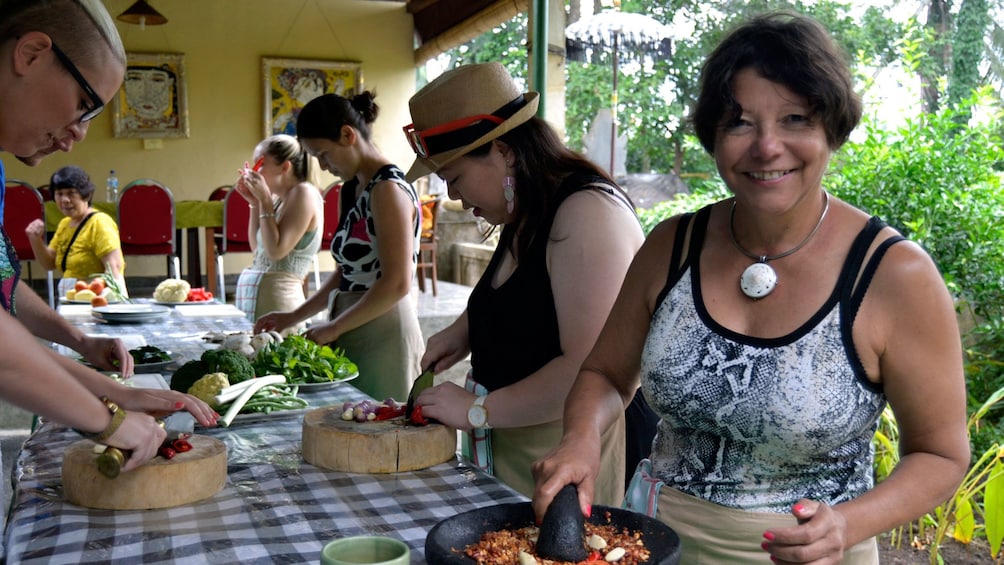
[275,507]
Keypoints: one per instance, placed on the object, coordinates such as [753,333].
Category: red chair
[46,193]
[236,218]
[146,222]
[214,237]
[332,209]
[24,204]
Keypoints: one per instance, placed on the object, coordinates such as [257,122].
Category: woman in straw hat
[373,316]
[770,330]
[60,62]
[568,236]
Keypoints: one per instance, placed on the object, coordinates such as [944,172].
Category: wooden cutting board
[387,446]
[159,483]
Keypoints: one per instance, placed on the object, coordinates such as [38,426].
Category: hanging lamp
[142,14]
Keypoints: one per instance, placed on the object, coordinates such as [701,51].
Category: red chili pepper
[166,452]
[181,445]
[416,416]
[387,412]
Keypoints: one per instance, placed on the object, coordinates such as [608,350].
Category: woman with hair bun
[287,216]
[373,317]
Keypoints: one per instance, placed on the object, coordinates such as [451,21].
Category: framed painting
[153,100]
[290,83]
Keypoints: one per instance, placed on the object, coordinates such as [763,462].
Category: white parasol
[629,35]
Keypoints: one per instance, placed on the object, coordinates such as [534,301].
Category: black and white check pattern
[275,507]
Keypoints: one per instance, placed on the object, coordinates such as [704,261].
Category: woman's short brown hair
[787,48]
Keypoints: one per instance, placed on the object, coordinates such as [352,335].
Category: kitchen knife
[177,425]
[424,381]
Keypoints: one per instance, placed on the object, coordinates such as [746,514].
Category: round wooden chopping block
[159,483]
[387,446]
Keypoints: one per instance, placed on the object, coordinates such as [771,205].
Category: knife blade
[178,425]
[424,381]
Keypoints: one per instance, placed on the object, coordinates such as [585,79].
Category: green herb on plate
[303,362]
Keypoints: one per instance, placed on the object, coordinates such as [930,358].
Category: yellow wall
[223,42]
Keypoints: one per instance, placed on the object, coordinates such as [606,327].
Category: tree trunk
[939,21]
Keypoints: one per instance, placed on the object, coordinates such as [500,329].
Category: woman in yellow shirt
[86,240]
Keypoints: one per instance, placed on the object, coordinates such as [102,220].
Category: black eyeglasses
[98,105]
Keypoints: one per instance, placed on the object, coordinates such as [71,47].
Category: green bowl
[366,550]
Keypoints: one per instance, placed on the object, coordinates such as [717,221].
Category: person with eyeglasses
[568,235]
[60,61]
[86,240]
[373,316]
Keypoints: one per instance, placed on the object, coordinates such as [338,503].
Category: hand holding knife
[424,381]
[179,426]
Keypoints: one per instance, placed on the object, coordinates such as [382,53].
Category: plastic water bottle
[112,187]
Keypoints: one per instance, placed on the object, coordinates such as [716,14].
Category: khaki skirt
[279,292]
[712,534]
[515,449]
[387,350]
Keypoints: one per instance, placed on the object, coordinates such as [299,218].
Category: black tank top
[513,329]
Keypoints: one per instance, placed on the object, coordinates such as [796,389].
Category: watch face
[477,416]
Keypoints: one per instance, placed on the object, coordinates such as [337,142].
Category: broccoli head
[187,374]
[208,387]
[235,365]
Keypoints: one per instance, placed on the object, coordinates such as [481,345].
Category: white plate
[65,300]
[130,309]
[130,313]
[193,303]
[314,387]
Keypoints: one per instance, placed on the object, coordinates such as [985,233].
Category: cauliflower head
[208,387]
[172,290]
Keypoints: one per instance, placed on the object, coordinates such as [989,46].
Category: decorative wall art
[290,83]
[153,101]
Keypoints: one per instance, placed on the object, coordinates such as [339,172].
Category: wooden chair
[236,218]
[146,222]
[23,205]
[428,245]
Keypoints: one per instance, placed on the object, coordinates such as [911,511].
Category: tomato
[81,285]
[416,416]
[97,286]
[199,294]
[99,301]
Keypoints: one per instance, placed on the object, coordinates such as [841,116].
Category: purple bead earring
[509,192]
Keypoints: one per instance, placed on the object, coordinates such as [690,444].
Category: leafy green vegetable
[149,354]
[302,361]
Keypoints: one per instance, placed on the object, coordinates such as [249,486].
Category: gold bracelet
[263,216]
[118,416]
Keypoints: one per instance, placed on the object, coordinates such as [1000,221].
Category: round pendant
[758,280]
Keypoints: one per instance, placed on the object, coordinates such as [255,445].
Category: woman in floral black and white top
[373,317]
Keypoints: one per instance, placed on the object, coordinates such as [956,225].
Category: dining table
[189,217]
[274,508]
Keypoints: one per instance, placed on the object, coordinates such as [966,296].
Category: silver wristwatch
[477,414]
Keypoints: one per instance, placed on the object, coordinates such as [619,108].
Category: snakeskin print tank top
[756,424]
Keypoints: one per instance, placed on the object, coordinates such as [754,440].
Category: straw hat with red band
[461,110]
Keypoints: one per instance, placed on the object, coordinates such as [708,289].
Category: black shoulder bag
[73,239]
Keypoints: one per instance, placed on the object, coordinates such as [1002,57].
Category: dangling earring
[509,192]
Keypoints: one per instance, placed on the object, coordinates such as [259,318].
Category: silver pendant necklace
[759,279]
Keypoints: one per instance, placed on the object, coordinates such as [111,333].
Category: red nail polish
[798,508]
[589,510]
[764,546]
[769,536]
[179,405]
